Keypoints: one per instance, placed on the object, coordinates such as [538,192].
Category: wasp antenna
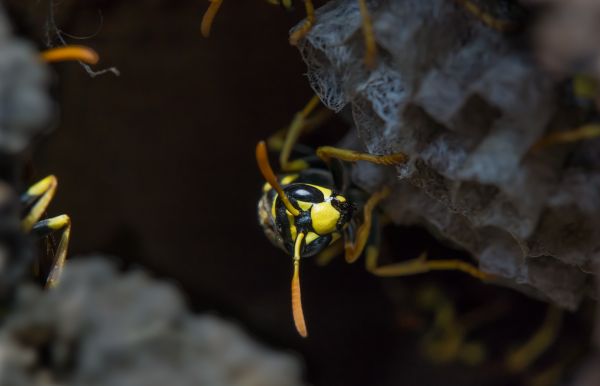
[265,168]
[296,295]
[70,52]
[209,17]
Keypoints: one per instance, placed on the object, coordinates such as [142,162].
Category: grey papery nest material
[99,327]
[25,107]
[467,105]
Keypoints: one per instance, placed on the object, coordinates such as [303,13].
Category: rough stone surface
[102,328]
[467,105]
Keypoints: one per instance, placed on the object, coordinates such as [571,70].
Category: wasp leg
[448,338]
[306,26]
[486,18]
[38,196]
[209,17]
[70,52]
[285,140]
[326,153]
[421,265]
[296,127]
[275,141]
[330,253]
[369,36]
[588,131]
[522,357]
[45,228]
[355,247]
[445,339]
[367,29]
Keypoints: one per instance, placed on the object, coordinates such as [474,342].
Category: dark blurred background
[156,166]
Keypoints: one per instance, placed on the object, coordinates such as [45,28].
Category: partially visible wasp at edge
[316,205]
[38,197]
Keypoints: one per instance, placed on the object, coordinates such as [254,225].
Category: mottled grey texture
[467,106]
[25,107]
[100,327]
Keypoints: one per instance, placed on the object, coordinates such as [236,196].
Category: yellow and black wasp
[315,206]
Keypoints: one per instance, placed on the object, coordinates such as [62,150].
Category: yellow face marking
[304,205]
[324,217]
[340,198]
[310,237]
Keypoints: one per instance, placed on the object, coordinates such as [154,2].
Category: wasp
[311,208]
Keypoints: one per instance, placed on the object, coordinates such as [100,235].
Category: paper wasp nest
[467,103]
